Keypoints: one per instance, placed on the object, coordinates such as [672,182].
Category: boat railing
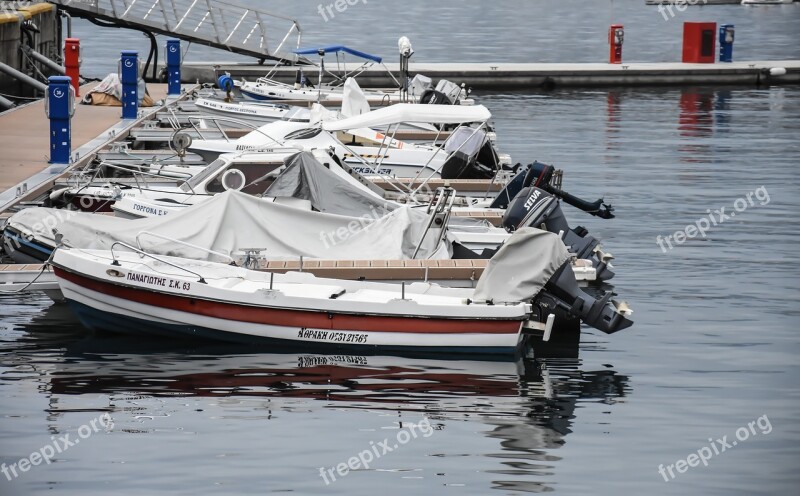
[391,181]
[439,209]
[339,79]
[448,155]
[190,245]
[180,177]
[79,180]
[143,254]
[196,123]
[397,184]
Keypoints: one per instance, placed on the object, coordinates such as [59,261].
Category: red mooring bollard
[72,62]
[616,34]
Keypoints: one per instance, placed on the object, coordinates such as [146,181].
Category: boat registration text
[332,336]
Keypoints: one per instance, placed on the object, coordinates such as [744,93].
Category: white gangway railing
[216,23]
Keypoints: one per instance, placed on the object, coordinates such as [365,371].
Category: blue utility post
[59,110]
[173,67]
[726,43]
[129,76]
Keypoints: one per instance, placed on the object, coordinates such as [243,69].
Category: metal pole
[22,77]
[53,66]
[6,104]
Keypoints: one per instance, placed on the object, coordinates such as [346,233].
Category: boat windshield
[297,114]
[198,178]
[465,139]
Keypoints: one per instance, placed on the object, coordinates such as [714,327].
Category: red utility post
[699,42]
[72,62]
[616,34]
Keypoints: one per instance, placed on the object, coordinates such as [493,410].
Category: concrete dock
[526,76]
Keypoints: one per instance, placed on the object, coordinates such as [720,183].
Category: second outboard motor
[433,97]
[470,155]
[535,174]
[535,207]
[540,175]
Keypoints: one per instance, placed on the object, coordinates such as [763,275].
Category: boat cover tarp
[232,220]
[411,112]
[522,266]
[307,179]
[354,102]
[337,49]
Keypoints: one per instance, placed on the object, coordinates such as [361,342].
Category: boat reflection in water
[528,405]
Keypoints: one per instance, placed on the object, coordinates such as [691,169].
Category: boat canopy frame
[341,67]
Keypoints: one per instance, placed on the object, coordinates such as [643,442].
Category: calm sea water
[497,31]
[713,348]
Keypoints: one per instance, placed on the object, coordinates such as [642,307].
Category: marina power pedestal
[616,35]
[59,107]
[726,43]
[173,67]
[699,42]
[129,76]
[72,62]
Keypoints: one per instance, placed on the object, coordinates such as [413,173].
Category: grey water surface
[712,348]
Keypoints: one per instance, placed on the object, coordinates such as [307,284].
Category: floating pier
[520,76]
[25,141]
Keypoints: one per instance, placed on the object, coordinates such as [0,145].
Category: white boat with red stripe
[125,289]
[129,293]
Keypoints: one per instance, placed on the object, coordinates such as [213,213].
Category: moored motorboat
[132,291]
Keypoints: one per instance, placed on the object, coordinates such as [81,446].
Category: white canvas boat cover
[307,179]
[522,266]
[354,102]
[412,112]
[232,221]
[320,113]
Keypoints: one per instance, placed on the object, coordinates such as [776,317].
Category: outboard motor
[535,174]
[562,293]
[540,175]
[470,155]
[419,85]
[535,207]
[433,97]
[450,90]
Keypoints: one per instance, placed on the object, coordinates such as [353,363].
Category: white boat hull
[181,306]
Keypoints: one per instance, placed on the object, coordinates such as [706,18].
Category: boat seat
[383,270]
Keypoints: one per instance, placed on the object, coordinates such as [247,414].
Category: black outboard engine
[540,175]
[535,174]
[433,97]
[562,295]
[535,207]
[470,155]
